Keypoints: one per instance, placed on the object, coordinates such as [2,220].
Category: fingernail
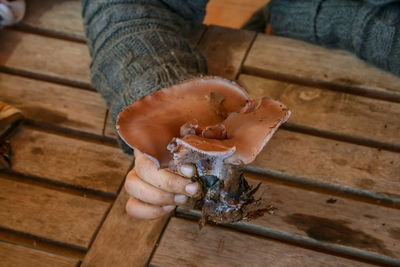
[187,170]
[180,199]
[192,188]
[168,208]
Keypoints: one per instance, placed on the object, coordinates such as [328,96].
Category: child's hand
[156,192]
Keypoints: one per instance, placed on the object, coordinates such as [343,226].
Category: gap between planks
[324,187]
[341,137]
[109,209]
[70,133]
[47,78]
[245,57]
[35,242]
[158,240]
[300,241]
[66,36]
[59,186]
[388,96]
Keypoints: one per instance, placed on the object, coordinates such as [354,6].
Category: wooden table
[332,172]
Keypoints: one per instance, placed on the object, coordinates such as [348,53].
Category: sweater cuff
[295,19]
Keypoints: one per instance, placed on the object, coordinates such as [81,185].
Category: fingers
[141,210]
[163,179]
[146,192]
[156,192]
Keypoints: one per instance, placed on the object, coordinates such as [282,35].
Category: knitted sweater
[139,46]
[370,29]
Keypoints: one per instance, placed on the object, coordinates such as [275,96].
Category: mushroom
[212,123]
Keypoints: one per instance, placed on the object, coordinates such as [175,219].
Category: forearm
[365,29]
[138,47]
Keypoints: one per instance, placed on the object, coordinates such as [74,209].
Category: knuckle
[169,183]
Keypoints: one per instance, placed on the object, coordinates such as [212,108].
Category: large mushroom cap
[150,123]
[215,104]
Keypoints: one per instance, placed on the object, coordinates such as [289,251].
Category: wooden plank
[331,161]
[53,104]
[123,240]
[225,50]
[61,17]
[327,218]
[69,161]
[232,14]
[49,214]
[283,58]
[332,111]
[184,244]
[16,256]
[332,219]
[44,57]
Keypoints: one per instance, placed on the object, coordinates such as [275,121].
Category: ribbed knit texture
[138,47]
[370,29]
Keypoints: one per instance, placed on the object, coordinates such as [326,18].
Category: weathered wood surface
[61,17]
[49,214]
[284,58]
[69,161]
[123,240]
[327,110]
[53,104]
[327,218]
[45,57]
[332,161]
[183,244]
[225,50]
[17,256]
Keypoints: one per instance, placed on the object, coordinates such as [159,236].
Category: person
[140,46]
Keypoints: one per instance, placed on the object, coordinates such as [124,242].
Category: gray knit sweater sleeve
[139,46]
[370,29]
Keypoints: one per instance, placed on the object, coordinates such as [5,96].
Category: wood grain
[183,244]
[45,57]
[331,161]
[123,240]
[69,161]
[62,17]
[284,58]
[327,218]
[331,111]
[16,256]
[53,104]
[232,14]
[225,50]
[49,214]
